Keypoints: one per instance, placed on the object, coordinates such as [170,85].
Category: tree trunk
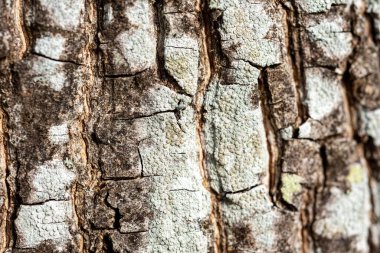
[190,126]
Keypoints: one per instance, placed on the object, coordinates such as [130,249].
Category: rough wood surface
[221,126]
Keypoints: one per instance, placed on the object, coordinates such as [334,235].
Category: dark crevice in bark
[209,63]
[175,112]
[325,164]
[372,29]
[25,32]
[56,60]
[97,51]
[12,188]
[125,75]
[107,244]
[118,216]
[242,190]
[305,221]
[295,49]
[332,68]
[319,140]
[163,74]
[120,178]
[313,219]
[369,147]
[187,190]
[255,65]
[212,20]
[373,217]
[15,206]
[91,61]
[141,160]
[12,180]
[273,141]
[364,143]
[11,202]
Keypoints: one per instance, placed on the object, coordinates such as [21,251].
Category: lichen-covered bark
[190,126]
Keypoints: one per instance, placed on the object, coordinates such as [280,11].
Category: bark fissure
[5,170]
[271,138]
[208,63]
[57,60]
[296,55]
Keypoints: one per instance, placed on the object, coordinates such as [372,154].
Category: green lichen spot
[291,184]
[356,174]
[174,136]
[254,54]
[178,66]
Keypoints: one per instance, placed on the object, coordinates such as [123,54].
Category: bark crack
[5,171]
[271,138]
[56,60]
[208,68]
[295,51]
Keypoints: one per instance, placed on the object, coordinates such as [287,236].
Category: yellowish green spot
[356,173]
[291,184]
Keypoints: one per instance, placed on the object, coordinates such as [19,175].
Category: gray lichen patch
[50,181]
[178,200]
[318,6]
[253,227]
[237,155]
[181,61]
[375,227]
[239,73]
[129,42]
[370,124]
[50,73]
[56,28]
[323,93]
[325,105]
[250,31]
[328,39]
[37,72]
[136,97]
[355,204]
[65,14]
[163,151]
[346,191]
[51,221]
[51,46]
[59,134]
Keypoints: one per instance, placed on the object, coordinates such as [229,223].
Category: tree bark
[190,126]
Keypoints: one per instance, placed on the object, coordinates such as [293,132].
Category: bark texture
[221,126]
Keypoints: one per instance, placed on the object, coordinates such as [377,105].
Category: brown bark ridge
[224,126]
